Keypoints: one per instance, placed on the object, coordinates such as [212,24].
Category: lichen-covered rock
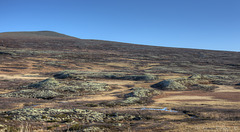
[169,85]
[194,82]
[52,88]
[196,76]
[93,129]
[145,77]
[2,128]
[139,96]
[49,83]
[45,94]
[81,75]
[121,117]
[54,115]
[91,87]
[69,74]
[32,93]
[142,92]
[131,100]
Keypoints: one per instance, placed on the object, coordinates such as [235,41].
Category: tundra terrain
[54,82]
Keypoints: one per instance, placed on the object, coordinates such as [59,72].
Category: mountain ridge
[34,34]
[46,34]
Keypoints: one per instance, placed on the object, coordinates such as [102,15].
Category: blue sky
[203,24]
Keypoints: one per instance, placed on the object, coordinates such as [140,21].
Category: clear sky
[204,24]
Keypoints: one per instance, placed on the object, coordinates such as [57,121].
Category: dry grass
[92,98]
[226,93]
[17,103]
[209,126]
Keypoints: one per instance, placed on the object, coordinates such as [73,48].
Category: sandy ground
[5,91]
[19,76]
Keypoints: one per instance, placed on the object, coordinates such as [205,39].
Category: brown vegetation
[210,79]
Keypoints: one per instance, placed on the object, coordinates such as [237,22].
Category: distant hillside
[36,34]
[195,60]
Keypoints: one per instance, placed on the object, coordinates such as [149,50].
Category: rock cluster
[142,92]
[33,93]
[65,115]
[93,129]
[54,115]
[52,88]
[197,81]
[49,83]
[81,75]
[169,85]
[139,95]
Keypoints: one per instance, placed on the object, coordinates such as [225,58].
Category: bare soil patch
[23,77]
